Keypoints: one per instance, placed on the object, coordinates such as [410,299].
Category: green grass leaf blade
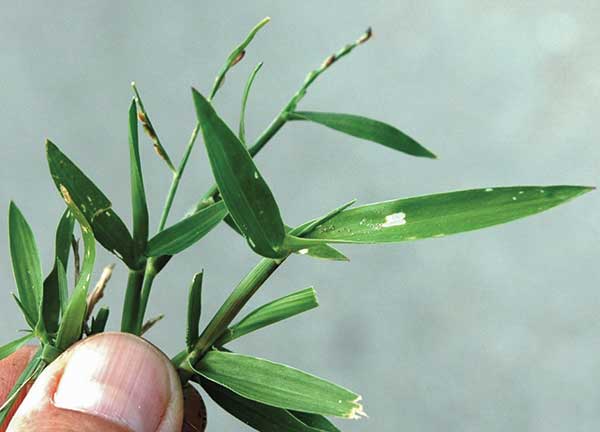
[99,321]
[242,131]
[278,385]
[442,214]
[246,194]
[259,416]
[316,421]
[368,129]
[71,324]
[322,251]
[107,226]
[194,311]
[188,231]
[325,252]
[52,283]
[63,287]
[138,193]
[26,264]
[30,319]
[271,313]
[13,346]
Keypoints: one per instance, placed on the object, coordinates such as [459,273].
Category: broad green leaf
[31,371]
[278,385]
[242,131]
[71,324]
[52,283]
[138,193]
[271,313]
[107,226]
[13,346]
[316,421]
[366,128]
[246,194]
[186,232]
[194,311]
[26,264]
[442,214]
[235,56]
[259,416]
[99,321]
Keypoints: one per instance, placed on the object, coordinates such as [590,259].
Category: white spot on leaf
[489,189]
[395,219]
[303,251]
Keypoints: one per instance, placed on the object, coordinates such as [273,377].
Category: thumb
[111,382]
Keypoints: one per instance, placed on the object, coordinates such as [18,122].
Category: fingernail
[118,377]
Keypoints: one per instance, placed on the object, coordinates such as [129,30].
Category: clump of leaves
[267,396]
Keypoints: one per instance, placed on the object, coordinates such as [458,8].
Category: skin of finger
[10,370]
[38,412]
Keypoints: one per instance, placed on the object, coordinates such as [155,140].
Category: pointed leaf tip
[246,194]
[368,129]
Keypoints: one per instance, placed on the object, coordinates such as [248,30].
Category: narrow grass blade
[259,416]
[278,385]
[13,346]
[246,194]
[31,371]
[316,421]
[295,241]
[242,131]
[99,321]
[236,55]
[309,227]
[52,283]
[107,226]
[185,233]
[138,193]
[324,251]
[368,129]
[442,214]
[271,313]
[194,311]
[150,130]
[26,264]
[63,287]
[71,324]
[30,319]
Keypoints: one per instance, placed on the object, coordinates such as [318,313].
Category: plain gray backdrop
[488,331]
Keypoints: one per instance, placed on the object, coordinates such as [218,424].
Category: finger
[10,370]
[111,382]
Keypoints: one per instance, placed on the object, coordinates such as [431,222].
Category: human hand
[112,382]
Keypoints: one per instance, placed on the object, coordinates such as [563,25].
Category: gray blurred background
[488,331]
